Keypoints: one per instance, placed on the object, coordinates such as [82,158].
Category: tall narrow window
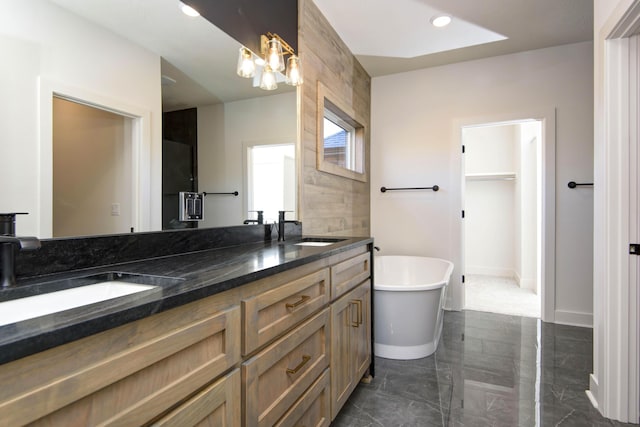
[341,138]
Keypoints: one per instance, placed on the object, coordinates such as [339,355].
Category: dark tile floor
[489,370]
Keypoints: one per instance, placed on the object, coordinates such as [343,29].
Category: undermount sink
[77,292]
[318,241]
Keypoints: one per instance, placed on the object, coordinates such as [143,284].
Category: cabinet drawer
[271,313]
[133,386]
[276,377]
[216,405]
[312,409]
[349,273]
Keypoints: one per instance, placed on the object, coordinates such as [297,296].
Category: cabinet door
[349,273]
[144,380]
[350,343]
[269,314]
[216,405]
[313,407]
[341,360]
[361,339]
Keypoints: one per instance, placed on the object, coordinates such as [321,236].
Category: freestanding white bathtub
[408,310]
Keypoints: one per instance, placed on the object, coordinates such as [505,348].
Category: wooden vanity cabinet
[285,350]
[124,376]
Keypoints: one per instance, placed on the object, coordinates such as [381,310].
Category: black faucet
[260,219]
[281,223]
[8,241]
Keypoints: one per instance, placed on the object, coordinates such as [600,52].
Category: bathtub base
[404,353]
[408,352]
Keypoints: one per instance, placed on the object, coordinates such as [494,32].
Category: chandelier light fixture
[273,50]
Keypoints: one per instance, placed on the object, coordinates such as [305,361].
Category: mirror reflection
[163,87]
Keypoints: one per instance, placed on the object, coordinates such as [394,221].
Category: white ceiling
[196,54]
[394,36]
[387,36]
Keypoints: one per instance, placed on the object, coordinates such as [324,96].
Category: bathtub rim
[415,288]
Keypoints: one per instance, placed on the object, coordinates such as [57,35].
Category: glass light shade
[268,78]
[294,71]
[274,55]
[246,66]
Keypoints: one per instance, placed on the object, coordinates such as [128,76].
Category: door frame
[614,385]
[140,150]
[547,116]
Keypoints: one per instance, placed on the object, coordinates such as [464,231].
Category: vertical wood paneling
[330,204]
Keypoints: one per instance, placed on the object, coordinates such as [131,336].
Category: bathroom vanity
[257,334]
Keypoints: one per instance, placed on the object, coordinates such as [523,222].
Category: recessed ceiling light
[188,10]
[441,21]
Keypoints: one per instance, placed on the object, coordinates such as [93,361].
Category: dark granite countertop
[200,274]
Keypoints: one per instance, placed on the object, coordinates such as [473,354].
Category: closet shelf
[496,176]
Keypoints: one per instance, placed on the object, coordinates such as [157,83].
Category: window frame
[331,108]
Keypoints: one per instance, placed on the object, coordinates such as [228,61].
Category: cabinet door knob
[305,359]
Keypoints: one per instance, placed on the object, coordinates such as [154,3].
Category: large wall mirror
[110,108]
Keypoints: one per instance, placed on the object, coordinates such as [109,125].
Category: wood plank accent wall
[330,204]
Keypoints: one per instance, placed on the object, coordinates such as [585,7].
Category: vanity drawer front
[276,377]
[134,386]
[313,408]
[269,314]
[347,274]
[216,405]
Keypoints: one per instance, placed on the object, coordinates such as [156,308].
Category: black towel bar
[234,193]
[385,189]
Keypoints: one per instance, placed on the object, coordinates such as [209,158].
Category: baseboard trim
[487,271]
[574,318]
[592,393]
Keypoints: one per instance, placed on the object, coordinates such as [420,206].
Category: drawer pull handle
[303,299]
[305,359]
[356,323]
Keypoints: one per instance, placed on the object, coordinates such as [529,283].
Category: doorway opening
[179,164]
[92,191]
[502,243]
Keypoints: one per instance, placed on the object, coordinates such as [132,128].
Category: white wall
[222,132]
[415,143]
[40,40]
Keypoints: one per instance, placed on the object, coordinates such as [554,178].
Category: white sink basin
[40,305]
[318,241]
[314,243]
